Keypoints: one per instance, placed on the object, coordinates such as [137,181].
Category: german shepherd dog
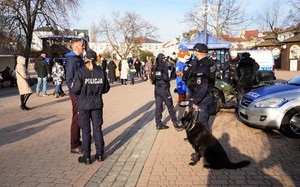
[206,145]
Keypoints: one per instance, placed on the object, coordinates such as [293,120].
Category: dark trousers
[85,116]
[163,95]
[204,109]
[75,130]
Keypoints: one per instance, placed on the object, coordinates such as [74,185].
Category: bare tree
[226,17]
[270,17]
[124,31]
[26,15]
[293,17]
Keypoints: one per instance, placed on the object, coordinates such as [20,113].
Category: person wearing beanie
[23,87]
[89,84]
[161,81]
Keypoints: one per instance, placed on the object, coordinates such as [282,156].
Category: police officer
[198,76]
[218,64]
[246,74]
[161,81]
[89,84]
[229,68]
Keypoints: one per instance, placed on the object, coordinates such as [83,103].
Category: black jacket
[211,72]
[89,86]
[41,67]
[247,71]
[197,77]
[161,75]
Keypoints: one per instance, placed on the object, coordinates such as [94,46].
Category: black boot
[22,98]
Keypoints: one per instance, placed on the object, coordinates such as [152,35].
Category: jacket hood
[21,60]
[71,53]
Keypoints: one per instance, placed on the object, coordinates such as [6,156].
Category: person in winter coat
[214,59]
[229,68]
[137,66]
[22,75]
[58,74]
[246,74]
[117,70]
[132,72]
[73,62]
[148,68]
[161,81]
[111,71]
[89,84]
[43,70]
[124,71]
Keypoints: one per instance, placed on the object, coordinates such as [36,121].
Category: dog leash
[193,123]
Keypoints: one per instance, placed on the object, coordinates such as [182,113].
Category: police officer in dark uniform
[199,77]
[218,64]
[161,81]
[229,68]
[89,84]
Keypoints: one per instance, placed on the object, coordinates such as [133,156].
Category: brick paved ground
[34,146]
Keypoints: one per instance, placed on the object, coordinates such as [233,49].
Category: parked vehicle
[273,107]
[263,57]
[226,94]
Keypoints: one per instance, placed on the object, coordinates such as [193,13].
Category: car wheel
[290,125]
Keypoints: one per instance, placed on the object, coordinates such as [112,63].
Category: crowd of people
[88,77]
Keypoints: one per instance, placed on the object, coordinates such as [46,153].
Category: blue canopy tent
[212,43]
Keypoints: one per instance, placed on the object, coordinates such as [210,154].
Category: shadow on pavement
[131,130]
[23,130]
[128,118]
[282,155]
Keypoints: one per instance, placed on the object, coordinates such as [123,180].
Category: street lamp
[13,45]
[204,10]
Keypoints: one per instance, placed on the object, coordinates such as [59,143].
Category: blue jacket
[89,86]
[73,62]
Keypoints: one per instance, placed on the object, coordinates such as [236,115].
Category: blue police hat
[91,54]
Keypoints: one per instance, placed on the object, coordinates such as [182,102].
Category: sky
[167,15]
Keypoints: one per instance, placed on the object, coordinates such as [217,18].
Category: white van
[263,57]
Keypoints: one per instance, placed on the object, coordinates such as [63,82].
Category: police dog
[206,145]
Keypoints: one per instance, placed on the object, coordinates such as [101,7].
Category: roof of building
[268,43]
[250,34]
[295,38]
[148,40]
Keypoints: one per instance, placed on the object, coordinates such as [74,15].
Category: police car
[273,107]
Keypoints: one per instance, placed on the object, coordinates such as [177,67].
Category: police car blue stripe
[260,92]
